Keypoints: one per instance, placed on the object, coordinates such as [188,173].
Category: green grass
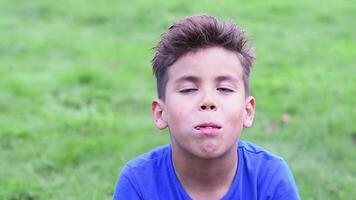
[76,85]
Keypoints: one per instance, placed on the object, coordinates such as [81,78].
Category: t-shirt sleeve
[125,187]
[278,182]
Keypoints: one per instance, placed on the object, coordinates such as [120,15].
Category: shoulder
[148,164]
[271,172]
[141,173]
[260,160]
[153,157]
[255,153]
[255,149]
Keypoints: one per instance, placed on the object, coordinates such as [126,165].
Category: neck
[199,174]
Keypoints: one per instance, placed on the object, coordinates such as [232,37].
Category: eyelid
[226,84]
[188,90]
[225,89]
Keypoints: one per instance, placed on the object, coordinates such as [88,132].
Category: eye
[225,89]
[188,90]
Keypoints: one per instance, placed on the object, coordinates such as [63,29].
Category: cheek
[179,110]
[177,116]
[236,118]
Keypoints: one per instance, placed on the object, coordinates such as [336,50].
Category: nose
[207,104]
[207,107]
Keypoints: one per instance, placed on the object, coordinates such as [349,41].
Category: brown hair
[197,32]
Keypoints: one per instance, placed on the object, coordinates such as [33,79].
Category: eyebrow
[188,78]
[226,78]
[196,79]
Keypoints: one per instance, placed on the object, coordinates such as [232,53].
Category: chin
[215,151]
[210,153]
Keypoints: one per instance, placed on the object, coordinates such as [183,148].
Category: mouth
[208,129]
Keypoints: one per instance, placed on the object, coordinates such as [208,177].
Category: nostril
[203,107]
[212,107]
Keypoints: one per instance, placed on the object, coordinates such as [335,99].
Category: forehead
[208,63]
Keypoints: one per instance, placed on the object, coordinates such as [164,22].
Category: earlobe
[249,111]
[157,109]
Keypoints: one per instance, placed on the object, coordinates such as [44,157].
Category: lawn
[76,86]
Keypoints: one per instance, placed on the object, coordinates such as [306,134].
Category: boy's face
[205,107]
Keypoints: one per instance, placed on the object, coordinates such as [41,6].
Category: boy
[202,68]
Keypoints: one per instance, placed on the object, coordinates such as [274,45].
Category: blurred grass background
[76,86]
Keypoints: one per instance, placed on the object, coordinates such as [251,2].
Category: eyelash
[189,90]
[225,90]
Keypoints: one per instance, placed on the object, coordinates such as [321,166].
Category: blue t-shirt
[260,175]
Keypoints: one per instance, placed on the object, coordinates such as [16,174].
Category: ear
[249,111]
[157,108]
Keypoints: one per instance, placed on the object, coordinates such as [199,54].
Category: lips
[208,129]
